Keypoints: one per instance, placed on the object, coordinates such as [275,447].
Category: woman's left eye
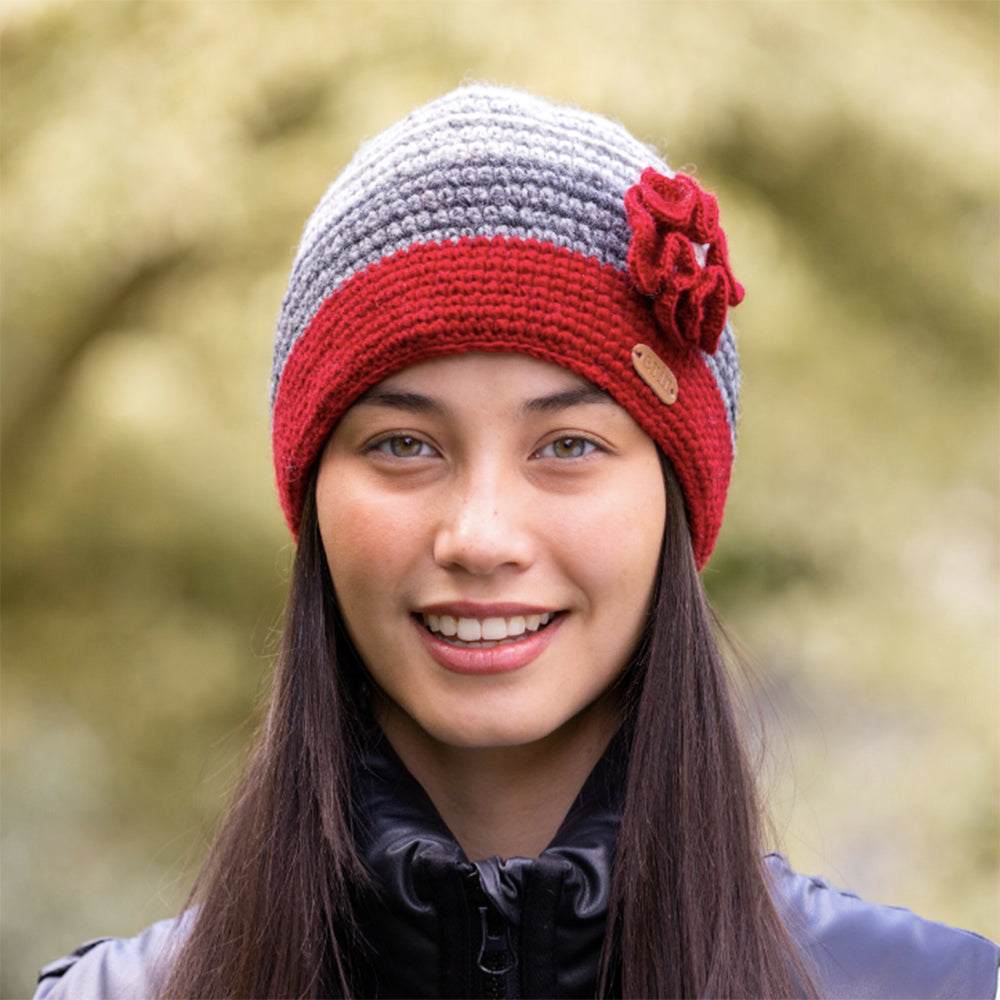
[567,447]
[404,446]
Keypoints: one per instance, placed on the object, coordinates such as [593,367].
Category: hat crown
[480,161]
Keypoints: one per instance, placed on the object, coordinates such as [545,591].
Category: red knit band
[504,296]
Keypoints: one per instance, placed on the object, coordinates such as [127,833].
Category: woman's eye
[568,447]
[404,446]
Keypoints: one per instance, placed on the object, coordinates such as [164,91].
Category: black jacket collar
[444,926]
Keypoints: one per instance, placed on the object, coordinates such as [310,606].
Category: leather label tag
[654,372]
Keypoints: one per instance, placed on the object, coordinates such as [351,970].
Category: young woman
[500,757]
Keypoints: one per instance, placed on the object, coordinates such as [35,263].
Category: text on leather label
[654,373]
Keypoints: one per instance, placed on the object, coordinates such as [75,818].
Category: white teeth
[487,629]
[515,625]
[469,630]
[494,628]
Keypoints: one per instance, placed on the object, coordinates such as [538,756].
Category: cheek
[613,540]
[350,529]
[371,543]
[642,541]
[633,563]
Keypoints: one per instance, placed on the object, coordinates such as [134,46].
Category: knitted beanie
[492,220]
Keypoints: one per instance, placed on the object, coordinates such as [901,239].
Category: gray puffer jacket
[445,927]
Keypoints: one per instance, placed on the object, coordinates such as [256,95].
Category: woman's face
[492,524]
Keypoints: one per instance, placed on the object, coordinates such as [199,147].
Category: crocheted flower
[669,216]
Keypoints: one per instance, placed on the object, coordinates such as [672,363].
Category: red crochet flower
[668,215]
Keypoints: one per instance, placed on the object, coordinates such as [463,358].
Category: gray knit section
[725,368]
[480,161]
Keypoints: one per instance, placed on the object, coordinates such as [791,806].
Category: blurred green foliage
[158,161]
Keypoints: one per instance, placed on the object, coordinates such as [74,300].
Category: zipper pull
[496,957]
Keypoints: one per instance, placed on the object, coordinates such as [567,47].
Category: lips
[473,639]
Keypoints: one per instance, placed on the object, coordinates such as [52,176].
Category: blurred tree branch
[28,406]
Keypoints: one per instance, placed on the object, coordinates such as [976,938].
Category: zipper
[496,960]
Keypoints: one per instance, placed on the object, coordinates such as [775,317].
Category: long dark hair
[691,914]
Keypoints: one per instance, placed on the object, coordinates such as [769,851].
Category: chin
[490,736]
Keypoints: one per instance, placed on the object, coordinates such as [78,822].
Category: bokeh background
[158,162]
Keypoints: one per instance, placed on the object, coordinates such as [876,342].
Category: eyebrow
[585,393]
[416,402]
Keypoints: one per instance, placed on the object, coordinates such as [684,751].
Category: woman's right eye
[403,446]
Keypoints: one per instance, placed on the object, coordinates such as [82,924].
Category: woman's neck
[504,801]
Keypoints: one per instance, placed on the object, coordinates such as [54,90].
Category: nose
[485,526]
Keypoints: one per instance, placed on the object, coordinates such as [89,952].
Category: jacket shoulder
[859,949]
[111,968]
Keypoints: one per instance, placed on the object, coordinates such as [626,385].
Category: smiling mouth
[476,633]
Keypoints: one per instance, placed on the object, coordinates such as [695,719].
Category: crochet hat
[492,220]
